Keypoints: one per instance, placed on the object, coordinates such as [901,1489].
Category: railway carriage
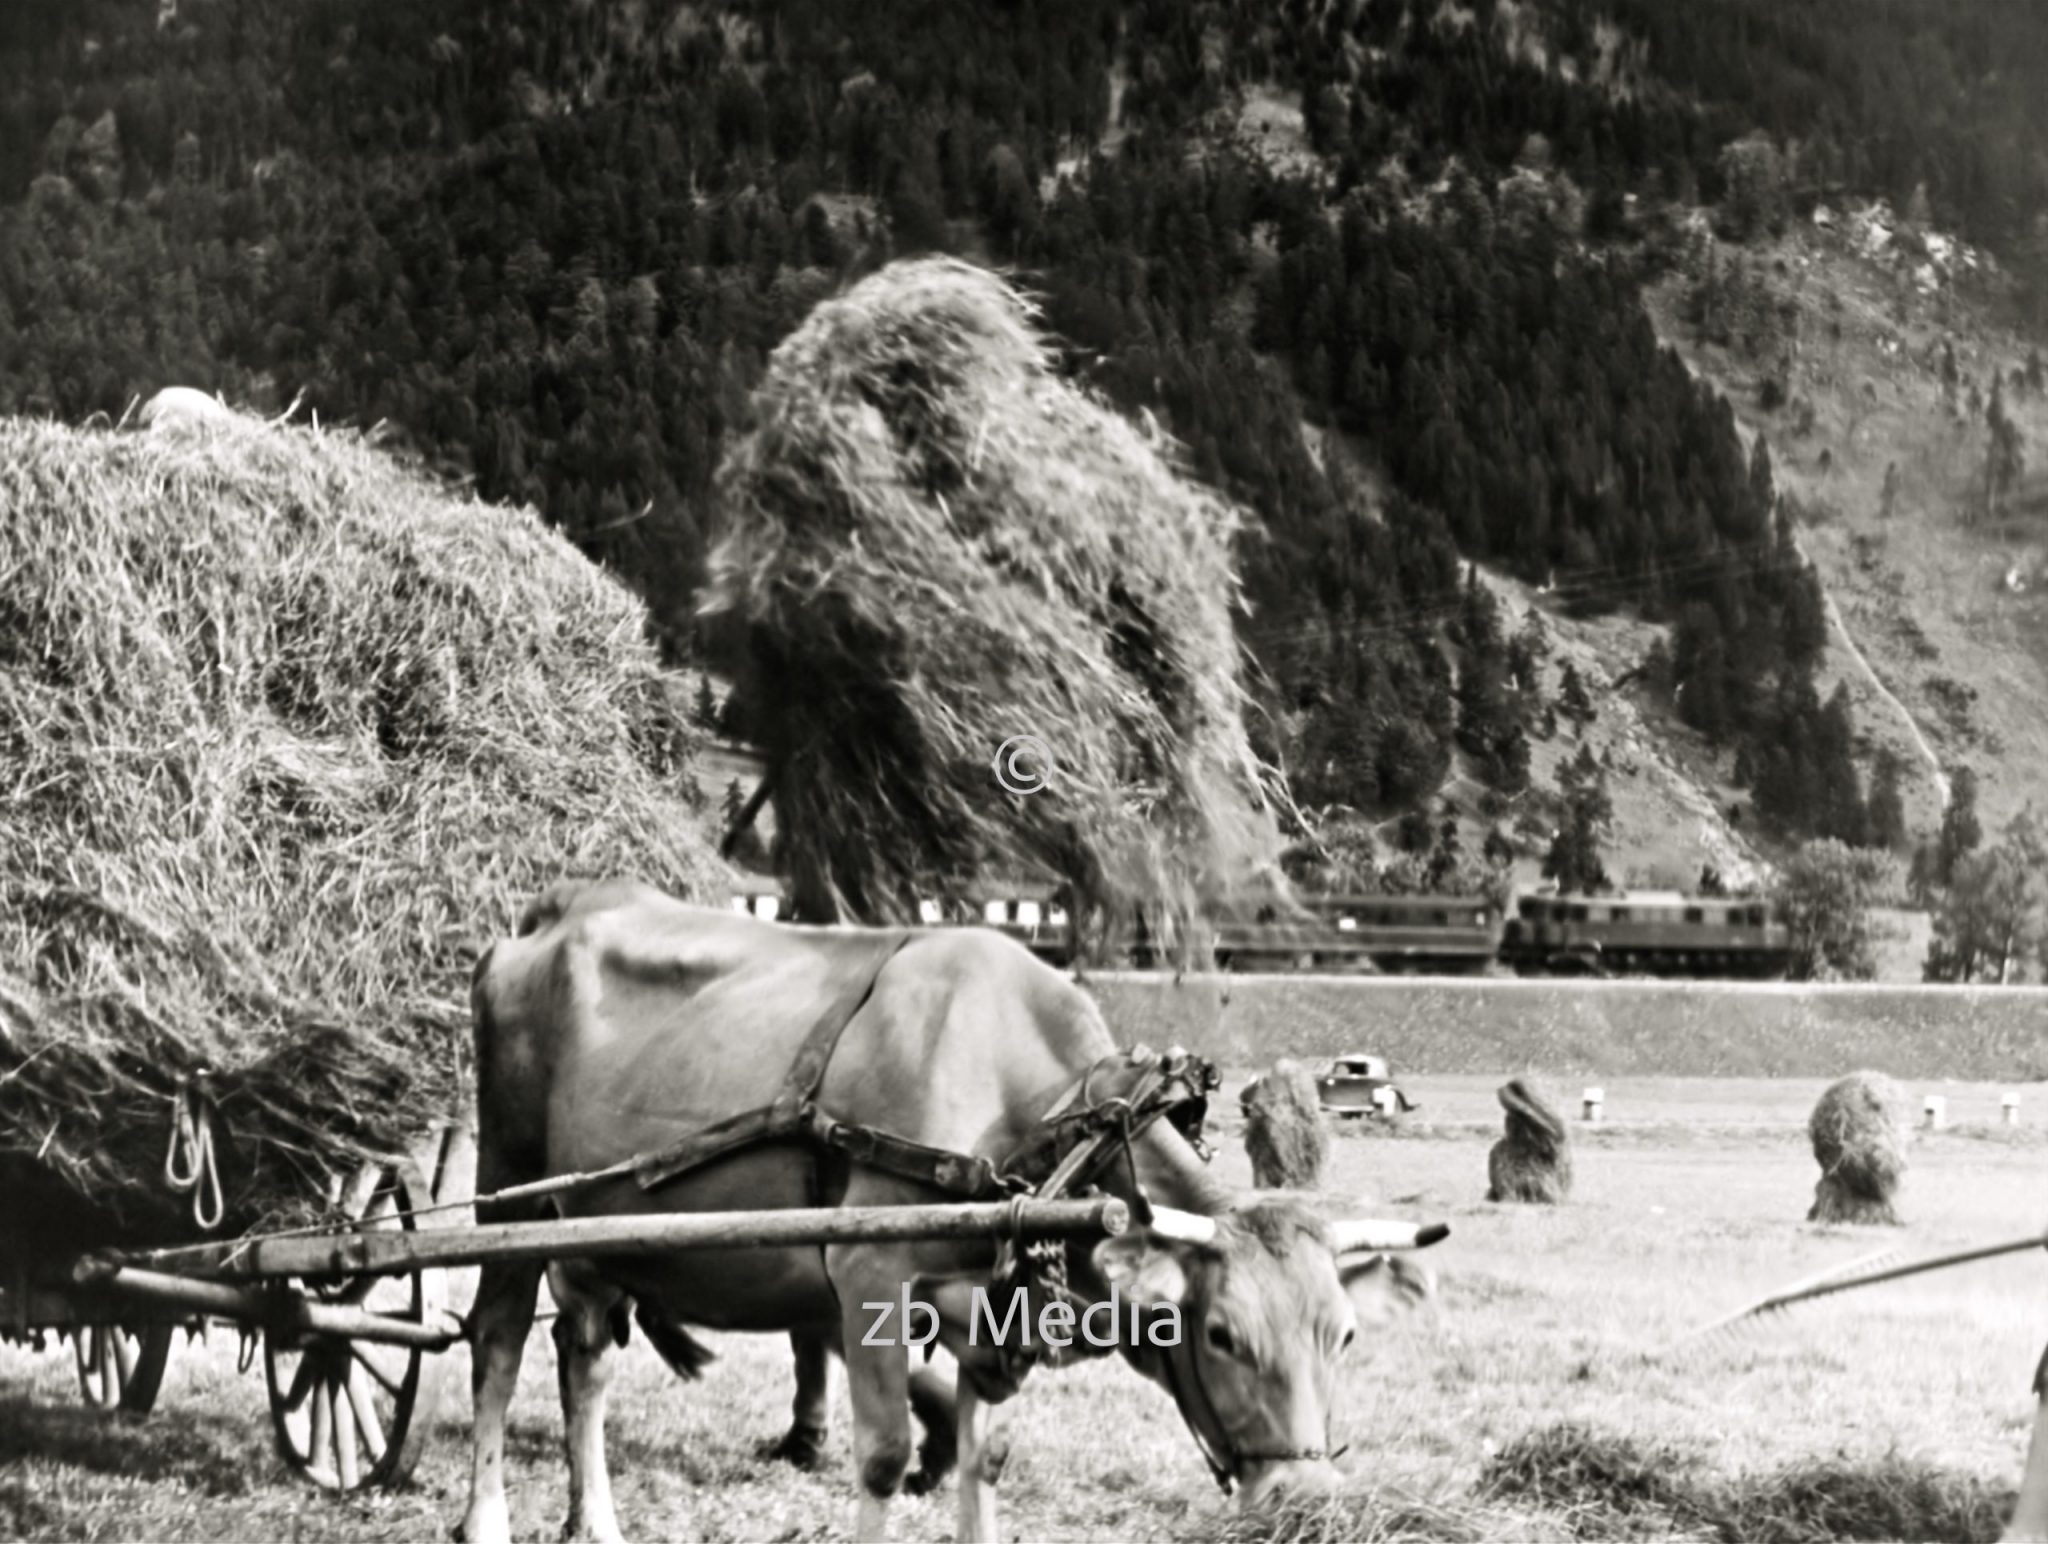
[1653,933]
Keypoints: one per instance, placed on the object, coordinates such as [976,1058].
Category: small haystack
[1858,1129]
[1533,1162]
[288,734]
[937,545]
[1284,1133]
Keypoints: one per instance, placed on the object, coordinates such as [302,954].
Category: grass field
[1514,1410]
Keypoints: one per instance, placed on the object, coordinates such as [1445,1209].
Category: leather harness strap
[789,1114]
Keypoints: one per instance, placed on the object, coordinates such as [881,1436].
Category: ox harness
[1080,1136]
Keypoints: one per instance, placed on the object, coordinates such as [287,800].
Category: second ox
[621,1022]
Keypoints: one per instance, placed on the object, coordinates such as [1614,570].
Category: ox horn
[1378,1233]
[1182,1227]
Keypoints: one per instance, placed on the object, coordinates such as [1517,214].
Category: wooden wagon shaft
[371,1253]
[269,1310]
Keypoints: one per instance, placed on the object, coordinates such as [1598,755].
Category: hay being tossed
[288,734]
[1858,1129]
[936,544]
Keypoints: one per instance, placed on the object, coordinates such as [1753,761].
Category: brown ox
[620,1020]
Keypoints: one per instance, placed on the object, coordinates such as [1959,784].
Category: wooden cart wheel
[119,1367]
[350,1415]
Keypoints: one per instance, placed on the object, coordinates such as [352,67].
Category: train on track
[1637,933]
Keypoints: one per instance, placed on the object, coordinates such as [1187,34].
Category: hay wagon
[350,1317]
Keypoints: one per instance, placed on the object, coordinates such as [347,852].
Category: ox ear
[1142,1267]
[1382,1286]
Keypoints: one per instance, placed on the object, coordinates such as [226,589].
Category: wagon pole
[363,1253]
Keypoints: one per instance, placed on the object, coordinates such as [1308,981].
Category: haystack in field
[1284,1134]
[1858,1129]
[935,544]
[287,735]
[1533,1162]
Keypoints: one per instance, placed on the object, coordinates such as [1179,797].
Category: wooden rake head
[1850,1276]
[1733,1328]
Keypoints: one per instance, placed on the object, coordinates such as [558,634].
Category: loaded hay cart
[351,1315]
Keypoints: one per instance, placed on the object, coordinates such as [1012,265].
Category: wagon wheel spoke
[395,1387]
[363,1401]
[301,1385]
[320,1440]
[342,1421]
[382,1211]
[105,1338]
[355,1197]
[124,1356]
[85,1351]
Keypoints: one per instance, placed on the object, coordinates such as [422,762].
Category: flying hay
[1283,1133]
[1533,1162]
[287,735]
[936,545]
[1858,1128]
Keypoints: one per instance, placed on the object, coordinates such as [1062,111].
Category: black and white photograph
[987,771]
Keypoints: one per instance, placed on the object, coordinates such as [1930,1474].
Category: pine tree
[1527,651]
[1960,829]
[1444,861]
[1574,700]
[2004,455]
[1886,825]
[1574,856]
[1413,833]
[704,711]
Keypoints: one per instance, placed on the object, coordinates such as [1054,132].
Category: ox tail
[687,1356]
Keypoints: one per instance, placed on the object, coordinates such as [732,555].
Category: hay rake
[1850,1276]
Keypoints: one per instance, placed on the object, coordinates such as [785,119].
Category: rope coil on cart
[190,1163]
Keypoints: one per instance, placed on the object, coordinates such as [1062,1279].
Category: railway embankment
[1611,1028]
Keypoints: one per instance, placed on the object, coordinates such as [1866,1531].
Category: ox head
[1270,1298]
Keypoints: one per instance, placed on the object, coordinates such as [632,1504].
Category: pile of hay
[1283,1134]
[1859,1134]
[935,545]
[1533,1161]
[288,734]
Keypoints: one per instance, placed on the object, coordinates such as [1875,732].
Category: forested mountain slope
[554,242]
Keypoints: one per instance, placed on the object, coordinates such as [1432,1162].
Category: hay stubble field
[1514,1410]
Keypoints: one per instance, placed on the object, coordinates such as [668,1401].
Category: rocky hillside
[1868,351]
